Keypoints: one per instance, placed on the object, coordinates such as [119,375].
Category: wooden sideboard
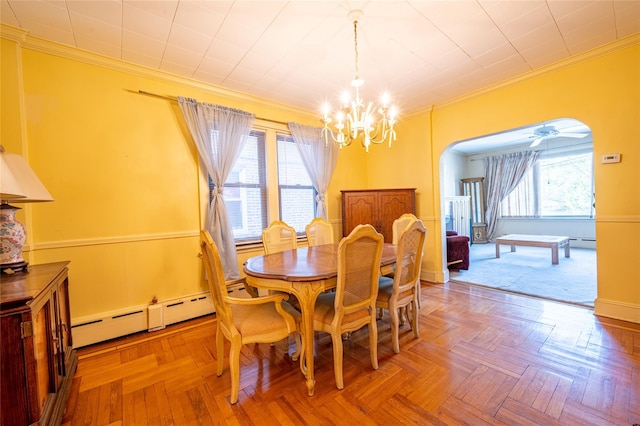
[378,207]
[37,359]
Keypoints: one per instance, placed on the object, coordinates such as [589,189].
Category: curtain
[220,134]
[319,159]
[503,173]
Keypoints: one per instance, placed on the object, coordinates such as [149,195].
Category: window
[250,204]
[296,192]
[245,191]
[557,186]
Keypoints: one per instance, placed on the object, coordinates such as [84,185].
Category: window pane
[556,186]
[297,194]
[291,170]
[245,191]
[565,185]
[297,206]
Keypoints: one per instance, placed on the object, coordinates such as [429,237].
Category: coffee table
[549,241]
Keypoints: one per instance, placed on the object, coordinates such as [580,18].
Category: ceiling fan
[548,132]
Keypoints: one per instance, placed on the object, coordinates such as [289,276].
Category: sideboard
[37,359]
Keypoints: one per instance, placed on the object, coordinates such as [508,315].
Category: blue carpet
[529,271]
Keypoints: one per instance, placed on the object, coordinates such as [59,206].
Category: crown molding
[589,55]
[12,33]
[37,44]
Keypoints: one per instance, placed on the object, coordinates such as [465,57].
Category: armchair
[244,321]
[457,251]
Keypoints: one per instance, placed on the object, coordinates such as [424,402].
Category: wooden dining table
[305,272]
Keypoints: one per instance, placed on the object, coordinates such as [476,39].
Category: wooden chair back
[400,294]
[359,256]
[215,278]
[319,231]
[279,236]
[400,224]
[409,258]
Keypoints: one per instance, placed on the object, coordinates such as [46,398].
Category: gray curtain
[220,134]
[319,159]
[502,174]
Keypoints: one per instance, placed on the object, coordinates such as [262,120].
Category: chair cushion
[260,319]
[325,310]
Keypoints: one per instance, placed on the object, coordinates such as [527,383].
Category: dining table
[305,272]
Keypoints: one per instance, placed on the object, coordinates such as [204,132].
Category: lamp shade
[19,183]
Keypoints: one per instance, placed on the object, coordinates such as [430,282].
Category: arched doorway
[555,198]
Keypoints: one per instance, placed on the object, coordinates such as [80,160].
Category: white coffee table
[549,241]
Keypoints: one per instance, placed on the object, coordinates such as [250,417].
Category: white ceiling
[301,53]
[578,134]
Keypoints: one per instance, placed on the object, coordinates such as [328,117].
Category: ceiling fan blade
[571,135]
[536,142]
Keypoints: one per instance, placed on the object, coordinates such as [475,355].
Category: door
[359,208]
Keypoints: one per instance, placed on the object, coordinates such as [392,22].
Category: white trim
[617,219]
[114,240]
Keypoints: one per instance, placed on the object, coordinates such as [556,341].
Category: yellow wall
[123,170]
[129,195]
[601,89]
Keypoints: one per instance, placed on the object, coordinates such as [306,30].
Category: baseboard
[617,310]
[113,324]
[434,276]
[110,325]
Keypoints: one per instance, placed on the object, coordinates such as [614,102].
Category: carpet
[529,271]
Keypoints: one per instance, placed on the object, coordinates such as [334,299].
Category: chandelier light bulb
[385,99]
[345,98]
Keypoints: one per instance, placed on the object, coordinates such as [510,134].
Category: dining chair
[243,321]
[276,237]
[319,231]
[279,236]
[352,305]
[400,294]
[399,225]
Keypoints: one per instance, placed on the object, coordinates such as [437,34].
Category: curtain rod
[175,99]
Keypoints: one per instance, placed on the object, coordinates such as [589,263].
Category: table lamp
[18,184]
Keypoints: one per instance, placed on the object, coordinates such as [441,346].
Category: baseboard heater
[110,325]
[583,242]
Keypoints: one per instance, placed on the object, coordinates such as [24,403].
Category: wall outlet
[611,158]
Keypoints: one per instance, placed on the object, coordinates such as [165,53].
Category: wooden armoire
[377,207]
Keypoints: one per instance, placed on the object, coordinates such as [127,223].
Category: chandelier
[355,122]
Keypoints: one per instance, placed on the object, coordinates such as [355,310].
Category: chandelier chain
[355,43]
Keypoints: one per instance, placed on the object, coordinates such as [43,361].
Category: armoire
[377,207]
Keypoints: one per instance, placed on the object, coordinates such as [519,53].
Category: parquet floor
[484,357]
